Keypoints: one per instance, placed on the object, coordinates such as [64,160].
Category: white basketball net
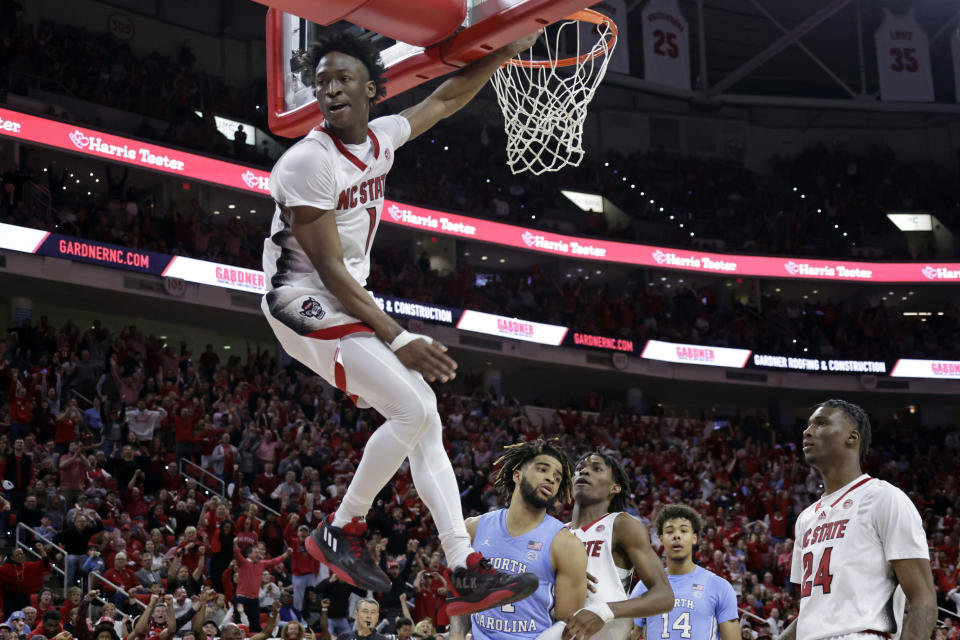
[544,107]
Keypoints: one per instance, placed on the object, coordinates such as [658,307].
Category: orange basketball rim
[584,15]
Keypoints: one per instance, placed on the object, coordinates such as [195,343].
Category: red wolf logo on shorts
[311,308]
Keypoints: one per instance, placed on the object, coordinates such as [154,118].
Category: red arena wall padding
[420,23]
[497,24]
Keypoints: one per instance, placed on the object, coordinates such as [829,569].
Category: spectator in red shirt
[756,548]
[171,479]
[121,575]
[133,501]
[429,589]
[265,483]
[45,601]
[184,423]
[66,427]
[250,568]
[188,549]
[768,583]
[778,525]
[73,472]
[20,415]
[304,569]
[784,562]
[245,534]
[74,595]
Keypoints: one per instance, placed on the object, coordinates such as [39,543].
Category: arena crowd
[97,424]
[679,309]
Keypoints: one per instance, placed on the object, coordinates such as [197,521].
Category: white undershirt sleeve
[305,176]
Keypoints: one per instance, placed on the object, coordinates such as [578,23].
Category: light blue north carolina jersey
[702,600]
[530,553]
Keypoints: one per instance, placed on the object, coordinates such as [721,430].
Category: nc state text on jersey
[360,194]
[826,531]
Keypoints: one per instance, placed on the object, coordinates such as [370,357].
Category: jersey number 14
[822,579]
[681,623]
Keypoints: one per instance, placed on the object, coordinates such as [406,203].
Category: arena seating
[160,411]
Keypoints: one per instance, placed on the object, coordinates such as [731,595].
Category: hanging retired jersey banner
[955,52]
[616,9]
[903,59]
[666,44]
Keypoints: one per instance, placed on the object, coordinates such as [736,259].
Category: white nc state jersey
[349,179]
[903,59]
[841,559]
[597,537]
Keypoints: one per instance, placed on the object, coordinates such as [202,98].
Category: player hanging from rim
[617,545]
[531,477]
[857,543]
[705,605]
[329,190]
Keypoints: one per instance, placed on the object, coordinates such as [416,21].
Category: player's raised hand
[524,43]
[429,358]
[582,625]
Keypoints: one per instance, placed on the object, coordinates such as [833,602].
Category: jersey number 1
[373,222]
[823,579]
[681,624]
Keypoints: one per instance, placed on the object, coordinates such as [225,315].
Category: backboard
[426,40]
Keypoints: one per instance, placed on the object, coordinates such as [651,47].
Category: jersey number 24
[823,579]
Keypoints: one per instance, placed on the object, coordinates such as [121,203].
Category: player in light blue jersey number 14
[705,606]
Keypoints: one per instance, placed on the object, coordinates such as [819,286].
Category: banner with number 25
[666,44]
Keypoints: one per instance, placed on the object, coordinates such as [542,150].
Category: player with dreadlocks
[617,545]
[531,477]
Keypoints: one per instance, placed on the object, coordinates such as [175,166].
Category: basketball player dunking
[617,545]
[532,476]
[857,543]
[329,190]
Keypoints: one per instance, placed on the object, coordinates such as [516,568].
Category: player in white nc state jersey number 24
[329,190]
[617,545]
[861,540]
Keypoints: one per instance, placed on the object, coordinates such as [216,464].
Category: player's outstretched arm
[916,578]
[316,231]
[460,88]
[632,537]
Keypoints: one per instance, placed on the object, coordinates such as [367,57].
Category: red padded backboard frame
[497,23]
